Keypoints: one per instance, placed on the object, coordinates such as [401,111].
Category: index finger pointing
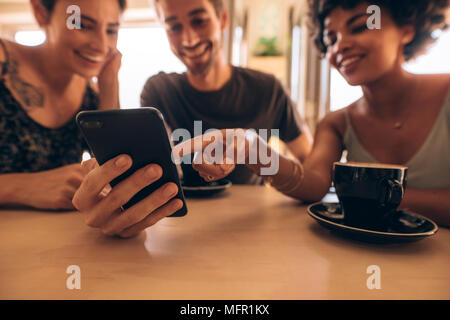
[193,145]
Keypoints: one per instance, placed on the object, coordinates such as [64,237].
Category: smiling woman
[424,15]
[434,61]
[41,90]
[401,118]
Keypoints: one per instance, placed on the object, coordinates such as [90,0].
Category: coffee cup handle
[391,193]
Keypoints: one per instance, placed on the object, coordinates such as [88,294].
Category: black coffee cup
[191,178]
[369,193]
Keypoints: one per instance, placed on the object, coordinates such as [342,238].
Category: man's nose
[189,37]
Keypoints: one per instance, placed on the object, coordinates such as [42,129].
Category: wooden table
[249,243]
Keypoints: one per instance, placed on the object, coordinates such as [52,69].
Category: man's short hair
[217,4]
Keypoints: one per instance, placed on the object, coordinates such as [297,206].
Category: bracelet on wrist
[292,183]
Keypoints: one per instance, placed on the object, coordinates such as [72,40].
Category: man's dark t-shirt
[249,100]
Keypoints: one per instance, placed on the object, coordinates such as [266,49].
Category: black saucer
[206,190]
[404,226]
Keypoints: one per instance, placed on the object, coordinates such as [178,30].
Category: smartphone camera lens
[92,124]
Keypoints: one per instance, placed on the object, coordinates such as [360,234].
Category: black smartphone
[139,133]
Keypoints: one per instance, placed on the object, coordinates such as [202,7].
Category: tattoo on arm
[29,95]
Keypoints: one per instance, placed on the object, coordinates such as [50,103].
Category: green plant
[267,47]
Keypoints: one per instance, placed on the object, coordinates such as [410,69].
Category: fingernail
[88,165]
[170,191]
[178,205]
[151,172]
[121,162]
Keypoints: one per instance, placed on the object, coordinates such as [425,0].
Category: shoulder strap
[348,133]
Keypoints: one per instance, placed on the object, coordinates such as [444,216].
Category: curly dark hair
[50,4]
[426,16]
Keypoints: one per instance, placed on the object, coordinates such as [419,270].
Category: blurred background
[267,35]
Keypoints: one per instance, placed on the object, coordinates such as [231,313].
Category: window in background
[30,38]
[295,63]
[145,51]
[435,61]
[237,47]
[341,93]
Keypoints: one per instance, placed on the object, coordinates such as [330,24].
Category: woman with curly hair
[41,90]
[402,118]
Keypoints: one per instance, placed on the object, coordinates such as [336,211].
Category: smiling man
[214,92]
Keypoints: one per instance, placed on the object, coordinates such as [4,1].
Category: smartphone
[139,133]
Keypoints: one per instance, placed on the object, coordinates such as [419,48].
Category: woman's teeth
[349,61]
[90,57]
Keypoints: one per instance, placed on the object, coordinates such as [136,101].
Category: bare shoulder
[12,50]
[435,83]
[434,90]
[438,77]
[336,120]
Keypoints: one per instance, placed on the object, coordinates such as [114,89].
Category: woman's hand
[53,189]
[101,204]
[108,81]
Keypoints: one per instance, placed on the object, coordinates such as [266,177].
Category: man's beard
[203,68]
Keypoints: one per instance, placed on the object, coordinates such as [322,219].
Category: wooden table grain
[249,243]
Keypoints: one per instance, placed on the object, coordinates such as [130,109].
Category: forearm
[12,188]
[434,204]
[109,95]
[312,188]
[301,183]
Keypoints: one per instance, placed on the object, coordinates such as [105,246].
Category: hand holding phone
[134,154]
[102,205]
